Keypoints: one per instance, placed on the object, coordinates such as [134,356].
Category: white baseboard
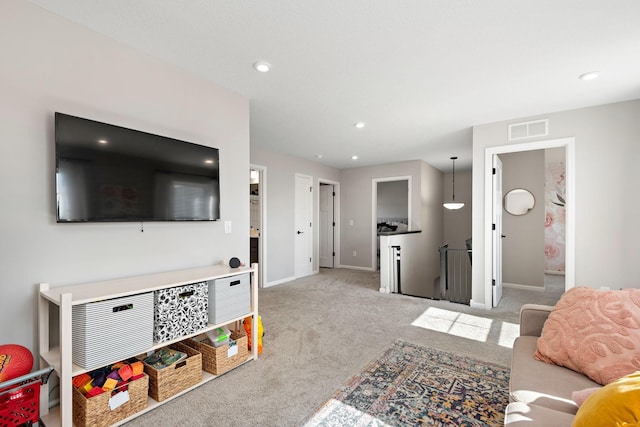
[525,287]
[478,305]
[554,272]
[279,282]
[354,267]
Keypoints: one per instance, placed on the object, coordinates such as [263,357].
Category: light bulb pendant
[453,205]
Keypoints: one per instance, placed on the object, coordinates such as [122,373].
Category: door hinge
[333,254]
[309,259]
[310,189]
[309,225]
[493,282]
[334,224]
[493,171]
[493,227]
[334,194]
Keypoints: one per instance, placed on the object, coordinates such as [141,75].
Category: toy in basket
[107,395]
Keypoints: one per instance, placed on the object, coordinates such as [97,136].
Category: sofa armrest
[532,318]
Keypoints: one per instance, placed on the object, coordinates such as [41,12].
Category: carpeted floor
[323,329]
[412,385]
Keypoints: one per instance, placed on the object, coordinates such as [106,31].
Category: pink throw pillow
[579,396]
[594,332]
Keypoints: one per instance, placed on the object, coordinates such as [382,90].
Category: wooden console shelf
[66,297]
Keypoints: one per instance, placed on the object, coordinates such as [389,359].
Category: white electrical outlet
[355,253]
[351,223]
[227,227]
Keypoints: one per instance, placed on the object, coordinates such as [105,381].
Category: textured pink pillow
[594,332]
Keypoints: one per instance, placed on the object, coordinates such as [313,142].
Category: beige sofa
[540,393]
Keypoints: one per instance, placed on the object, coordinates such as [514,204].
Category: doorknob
[300,232]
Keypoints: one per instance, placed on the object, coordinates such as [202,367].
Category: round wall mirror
[519,201]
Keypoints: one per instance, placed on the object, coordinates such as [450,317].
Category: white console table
[66,297]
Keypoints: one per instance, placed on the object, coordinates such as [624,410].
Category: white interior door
[326,224]
[303,223]
[496,275]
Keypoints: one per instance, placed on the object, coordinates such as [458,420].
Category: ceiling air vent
[526,130]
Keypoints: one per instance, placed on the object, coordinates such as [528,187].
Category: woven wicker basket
[217,360]
[95,411]
[166,382]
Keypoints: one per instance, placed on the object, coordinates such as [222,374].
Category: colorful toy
[108,378]
[109,384]
[15,361]
[247,327]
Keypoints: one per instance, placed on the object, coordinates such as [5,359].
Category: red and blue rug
[412,385]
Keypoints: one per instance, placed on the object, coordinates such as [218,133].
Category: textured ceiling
[420,73]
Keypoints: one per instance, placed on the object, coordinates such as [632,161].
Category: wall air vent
[524,130]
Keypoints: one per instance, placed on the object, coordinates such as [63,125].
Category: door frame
[570,177]
[496,235]
[336,219]
[262,198]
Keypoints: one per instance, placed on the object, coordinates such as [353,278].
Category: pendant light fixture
[453,205]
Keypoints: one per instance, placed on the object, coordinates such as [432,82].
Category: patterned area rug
[411,385]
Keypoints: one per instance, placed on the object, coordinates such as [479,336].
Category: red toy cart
[20,399]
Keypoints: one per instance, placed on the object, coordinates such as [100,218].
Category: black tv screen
[110,173]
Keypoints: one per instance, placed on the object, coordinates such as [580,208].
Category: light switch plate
[227,227]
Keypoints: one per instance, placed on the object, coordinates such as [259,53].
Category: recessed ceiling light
[590,75]
[354,157]
[359,125]
[103,141]
[262,66]
[209,161]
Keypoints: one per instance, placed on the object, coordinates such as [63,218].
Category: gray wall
[393,199]
[357,208]
[523,244]
[607,149]
[357,203]
[50,64]
[280,197]
[457,223]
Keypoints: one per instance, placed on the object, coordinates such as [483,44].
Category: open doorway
[533,220]
[391,209]
[328,224]
[258,219]
[494,239]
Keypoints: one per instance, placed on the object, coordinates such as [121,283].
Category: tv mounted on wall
[108,173]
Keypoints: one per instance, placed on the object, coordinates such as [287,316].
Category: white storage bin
[112,329]
[229,298]
[180,311]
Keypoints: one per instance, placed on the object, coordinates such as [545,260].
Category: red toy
[15,361]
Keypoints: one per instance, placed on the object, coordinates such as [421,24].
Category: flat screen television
[108,173]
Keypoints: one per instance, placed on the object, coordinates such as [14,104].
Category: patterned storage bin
[180,311]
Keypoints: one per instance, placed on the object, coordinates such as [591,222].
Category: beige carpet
[321,330]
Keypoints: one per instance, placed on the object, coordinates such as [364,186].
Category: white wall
[607,149]
[50,64]
[280,200]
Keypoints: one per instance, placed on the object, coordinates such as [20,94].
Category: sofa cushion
[542,384]
[594,332]
[519,414]
[616,404]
